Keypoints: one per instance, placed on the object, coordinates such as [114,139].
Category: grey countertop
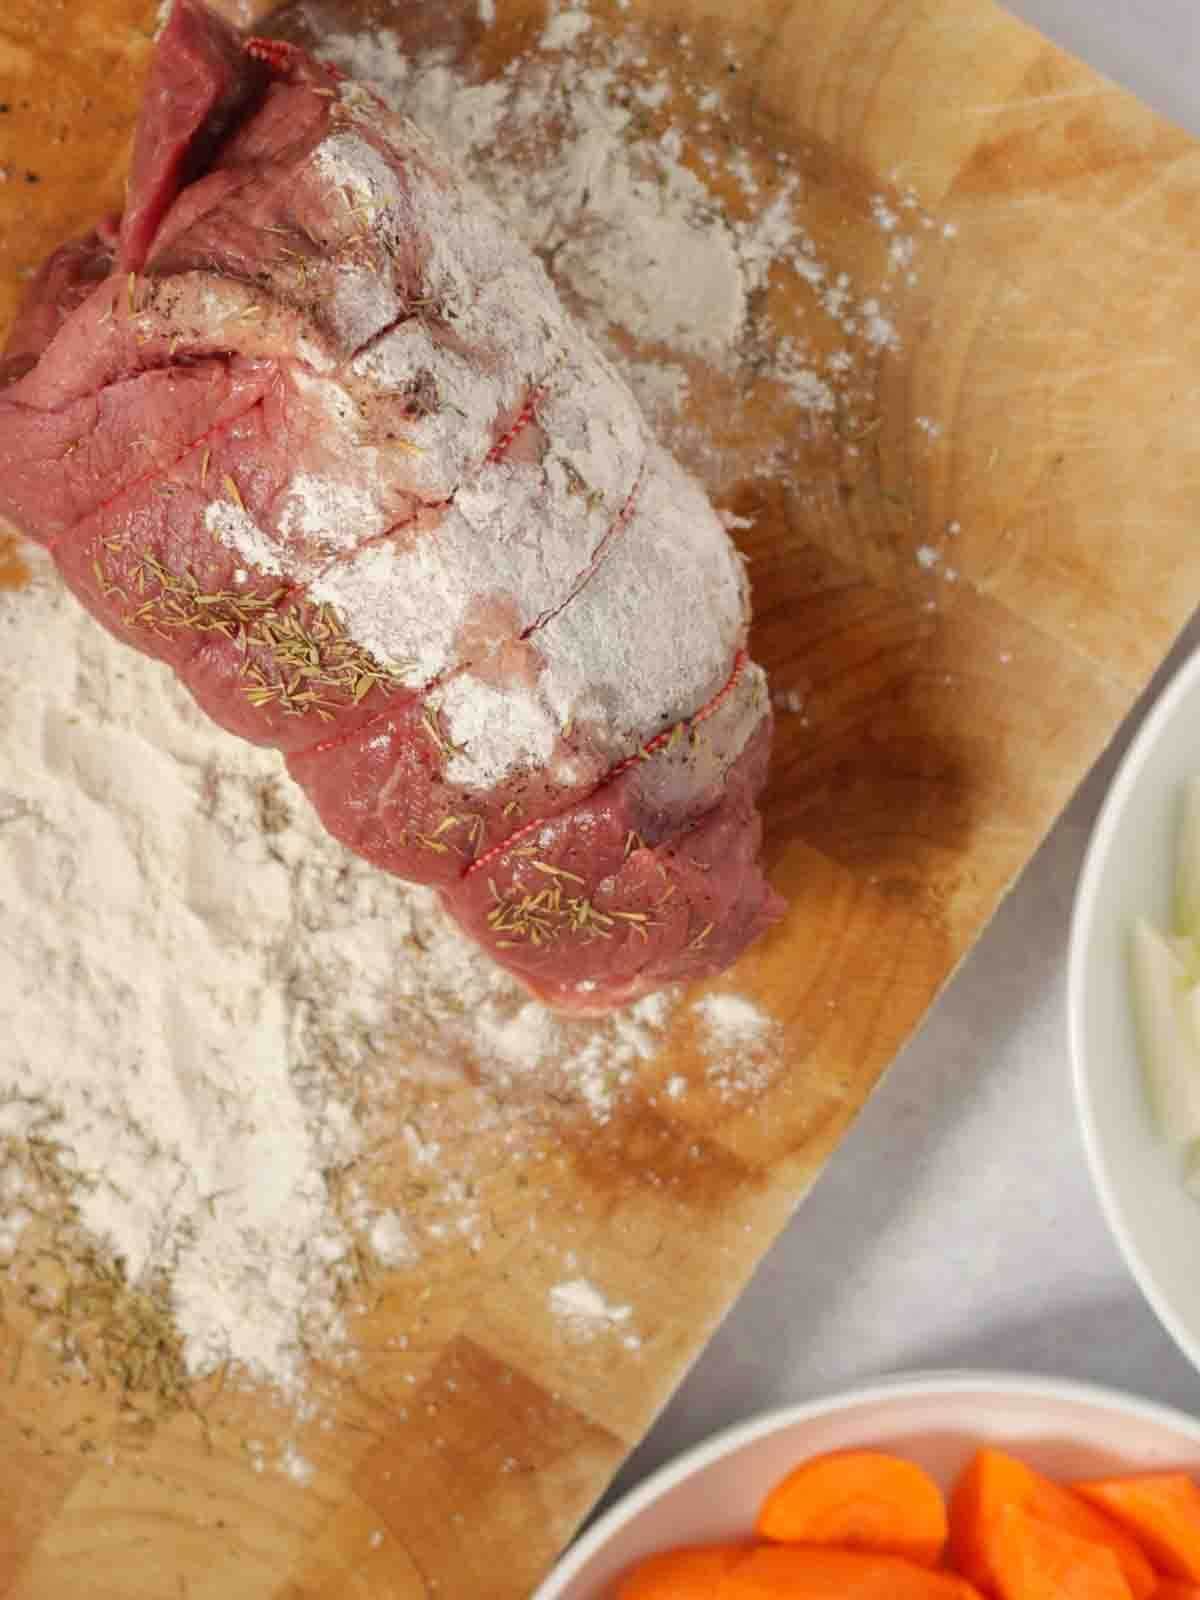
[1151,46]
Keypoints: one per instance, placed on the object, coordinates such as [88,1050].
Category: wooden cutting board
[948,715]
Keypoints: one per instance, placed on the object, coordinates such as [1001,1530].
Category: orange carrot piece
[993,1480]
[1176,1589]
[1161,1510]
[1038,1560]
[815,1572]
[859,1500]
[691,1573]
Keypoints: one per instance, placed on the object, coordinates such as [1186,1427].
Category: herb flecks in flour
[245,1076]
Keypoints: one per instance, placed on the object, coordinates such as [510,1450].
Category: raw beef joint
[309,425]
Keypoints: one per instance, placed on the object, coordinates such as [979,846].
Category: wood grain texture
[1058,343]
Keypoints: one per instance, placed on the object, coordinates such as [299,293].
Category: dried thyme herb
[301,659]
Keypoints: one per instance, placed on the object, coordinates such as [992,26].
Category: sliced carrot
[1161,1510]
[859,1500]
[993,1480]
[1037,1560]
[690,1573]
[813,1572]
[1176,1589]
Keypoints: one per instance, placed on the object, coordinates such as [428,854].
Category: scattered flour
[738,1042]
[335,513]
[583,1310]
[298,1469]
[877,328]
[603,1071]
[494,730]
[660,387]
[807,388]
[731,1022]
[234,527]
[355,167]
[391,1241]
[663,272]
[624,260]
[565,30]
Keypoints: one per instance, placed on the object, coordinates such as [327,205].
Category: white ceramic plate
[1128,871]
[1065,1429]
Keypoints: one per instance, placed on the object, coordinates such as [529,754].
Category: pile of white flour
[205,996]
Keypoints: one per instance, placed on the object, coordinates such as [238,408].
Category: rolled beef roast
[308,424]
